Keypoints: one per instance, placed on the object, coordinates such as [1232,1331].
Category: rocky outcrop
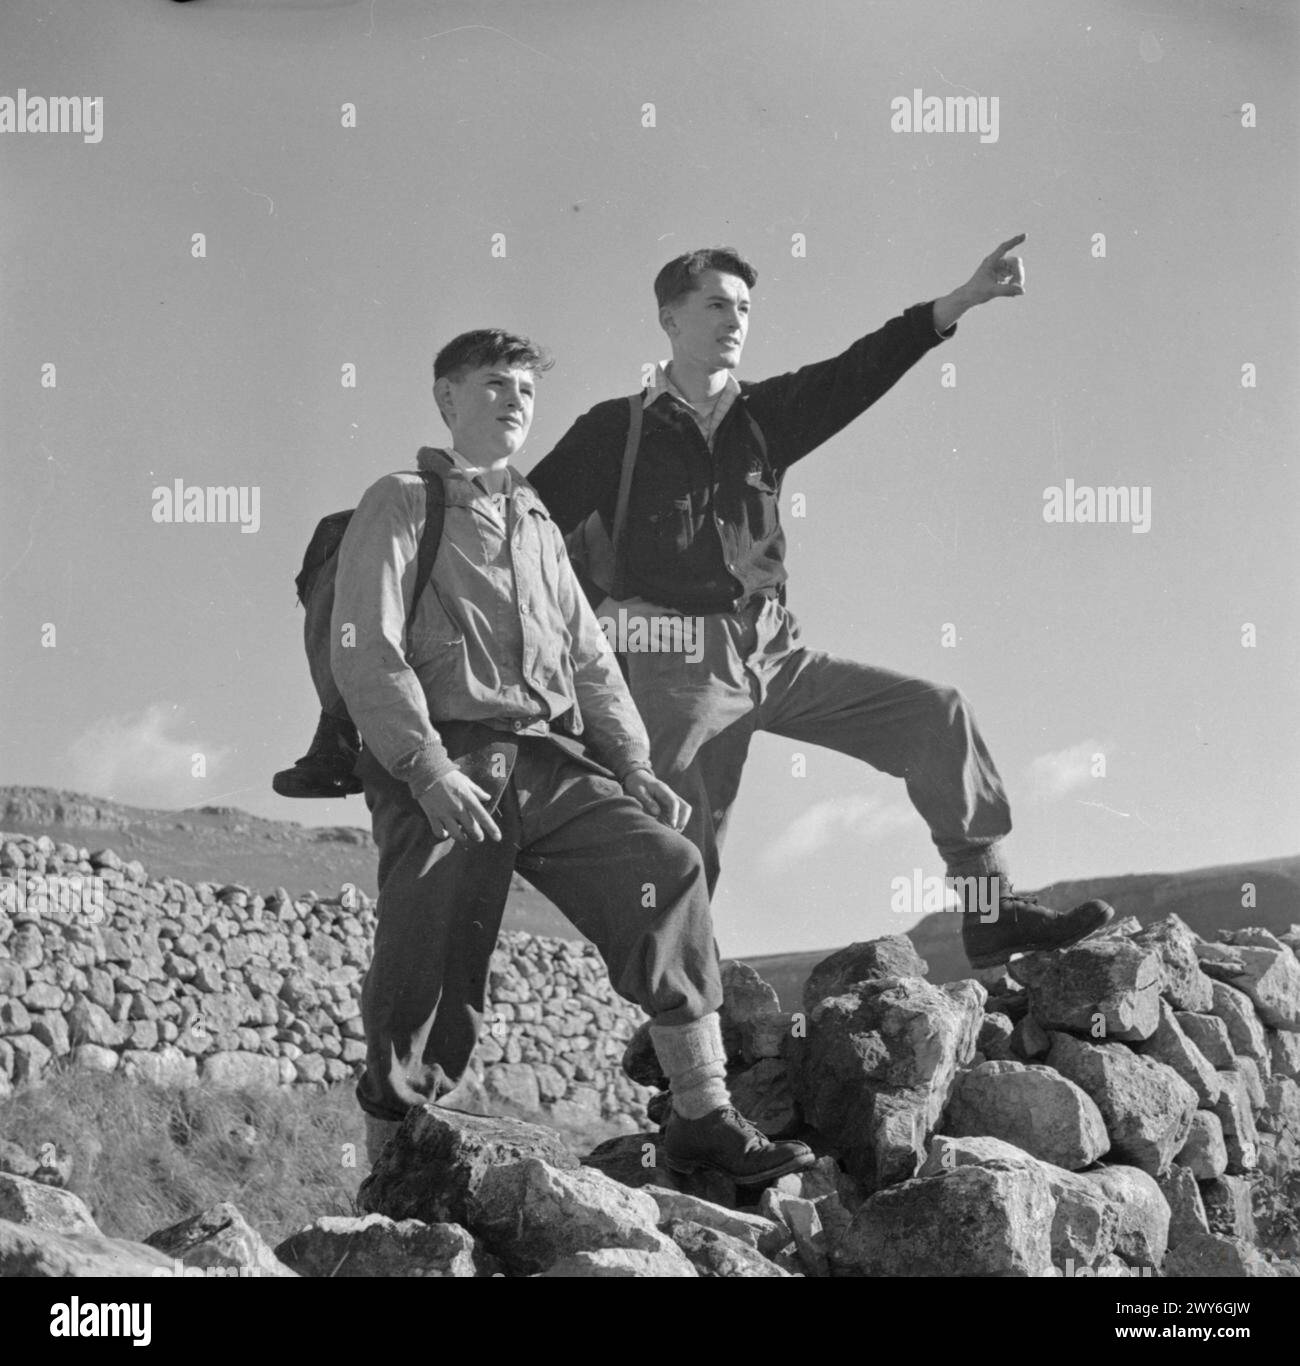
[1111,1109]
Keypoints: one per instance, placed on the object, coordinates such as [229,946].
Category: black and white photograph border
[651,639]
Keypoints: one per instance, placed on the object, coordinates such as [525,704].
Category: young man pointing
[702,537]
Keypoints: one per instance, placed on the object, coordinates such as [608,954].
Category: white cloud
[855,818]
[138,759]
[1062,771]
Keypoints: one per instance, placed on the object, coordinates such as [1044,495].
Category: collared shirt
[707,420]
[502,634]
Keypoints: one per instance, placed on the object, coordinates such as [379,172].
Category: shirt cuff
[424,767]
[943,336]
[630,766]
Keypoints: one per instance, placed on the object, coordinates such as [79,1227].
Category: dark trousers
[633,887]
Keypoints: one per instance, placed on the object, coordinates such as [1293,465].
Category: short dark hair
[488,346]
[681,276]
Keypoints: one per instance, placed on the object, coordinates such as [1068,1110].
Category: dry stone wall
[164,980]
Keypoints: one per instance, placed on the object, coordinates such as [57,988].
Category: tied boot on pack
[326,769]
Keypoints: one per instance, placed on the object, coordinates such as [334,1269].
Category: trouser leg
[439,911]
[922,732]
[634,887]
[699,714]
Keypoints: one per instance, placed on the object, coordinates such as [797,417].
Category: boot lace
[755,1139]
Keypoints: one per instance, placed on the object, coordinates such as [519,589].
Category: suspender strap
[635,401]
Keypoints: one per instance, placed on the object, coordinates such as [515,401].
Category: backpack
[315,580]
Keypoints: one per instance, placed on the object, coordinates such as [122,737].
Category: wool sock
[696,1064]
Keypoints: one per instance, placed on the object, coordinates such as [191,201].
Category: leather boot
[725,1141]
[326,769]
[1022,925]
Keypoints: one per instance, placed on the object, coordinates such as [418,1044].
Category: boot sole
[796,1164]
[996,959]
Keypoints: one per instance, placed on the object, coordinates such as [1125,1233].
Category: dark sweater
[703,528]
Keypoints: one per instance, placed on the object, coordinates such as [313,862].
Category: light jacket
[502,634]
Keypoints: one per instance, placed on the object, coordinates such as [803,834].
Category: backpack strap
[635,403]
[435,493]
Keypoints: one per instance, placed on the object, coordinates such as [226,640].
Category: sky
[531,166]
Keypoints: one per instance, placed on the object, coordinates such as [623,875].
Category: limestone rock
[438,1158]
[765,1235]
[891,956]
[29,1251]
[623,1261]
[763,1094]
[875,1071]
[1238,1119]
[1228,1207]
[1147,1107]
[1110,978]
[37,1205]
[746,999]
[1204,1154]
[1270,977]
[973,1221]
[1182,983]
[374,1245]
[1210,1035]
[1284,1053]
[237,1070]
[1032,1107]
[1186,1208]
[1245,1032]
[715,1253]
[1213,1254]
[532,1215]
[1171,1046]
[1085,1223]
[1144,1213]
[219,1237]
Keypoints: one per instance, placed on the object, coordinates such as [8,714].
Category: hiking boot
[326,769]
[725,1141]
[1025,926]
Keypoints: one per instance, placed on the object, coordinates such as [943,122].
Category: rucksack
[326,770]
[315,580]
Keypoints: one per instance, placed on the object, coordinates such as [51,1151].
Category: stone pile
[174,982]
[1112,1109]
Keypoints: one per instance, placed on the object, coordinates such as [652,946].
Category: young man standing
[472,767]
[703,538]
